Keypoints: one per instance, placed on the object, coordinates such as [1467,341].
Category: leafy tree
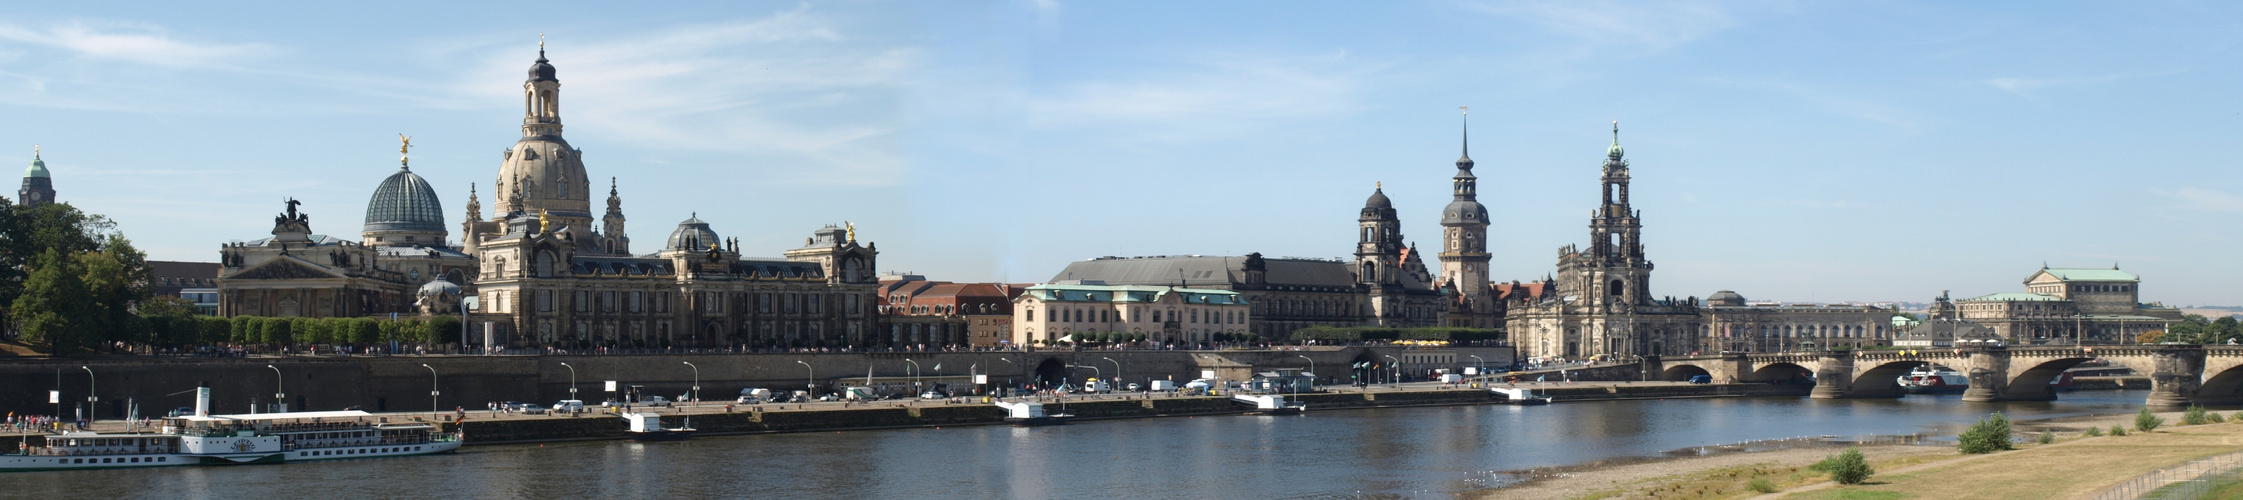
[216,330]
[50,309]
[171,321]
[1846,468]
[2194,415]
[445,329]
[275,331]
[1990,434]
[27,233]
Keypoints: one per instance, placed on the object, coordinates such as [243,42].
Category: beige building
[1167,315]
[2068,305]
[1735,325]
[401,247]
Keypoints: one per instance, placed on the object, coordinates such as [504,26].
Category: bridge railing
[2191,480]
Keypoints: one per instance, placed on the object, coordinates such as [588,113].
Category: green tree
[1990,434]
[275,331]
[171,321]
[2145,421]
[50,309]
[27,233]
[444,329]
[216,330]
[1846,468]
[117,281]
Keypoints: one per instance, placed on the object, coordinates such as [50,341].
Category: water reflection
[1406,452]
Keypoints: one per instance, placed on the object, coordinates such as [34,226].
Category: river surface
[1434,452]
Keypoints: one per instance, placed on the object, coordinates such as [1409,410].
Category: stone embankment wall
[401,383]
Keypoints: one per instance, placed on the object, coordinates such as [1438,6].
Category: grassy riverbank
[2075,465]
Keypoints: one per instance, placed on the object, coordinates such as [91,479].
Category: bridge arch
[1679,373]
[1883,380]
[1781,372]
[2225,387]
[1050,373]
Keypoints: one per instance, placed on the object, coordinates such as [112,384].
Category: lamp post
[1094,372]
[813,385]
[572,380]
[90,394]
[1398,371]
[695,394]
[914,377]
[433,408]
[1117,367]
[1483,367]
[1015,371]
[1311,371]
[280,382]
[970,373]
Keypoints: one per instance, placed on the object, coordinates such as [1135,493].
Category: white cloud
[792,82]
[140,43]
[2203,200]
[2023,86]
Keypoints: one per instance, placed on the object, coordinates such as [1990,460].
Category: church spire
[1465,162]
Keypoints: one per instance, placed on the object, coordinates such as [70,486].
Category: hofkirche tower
[1464,248]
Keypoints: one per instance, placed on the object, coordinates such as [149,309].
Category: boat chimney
[202,399]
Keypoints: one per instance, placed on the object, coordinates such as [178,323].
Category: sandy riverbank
[1630,478]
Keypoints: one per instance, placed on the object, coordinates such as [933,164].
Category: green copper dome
[38,168]
[404,202]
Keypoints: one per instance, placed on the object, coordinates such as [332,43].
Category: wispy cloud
[2024,86]
[792,83]
[1833,102]
[1212,92]
[2203,200]
[134,42]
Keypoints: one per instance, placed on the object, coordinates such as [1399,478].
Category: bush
[2145,421]
[2216,418]
[2093,432]
[2118,431]
[1849,467]
[2047,436]
[2193,416]
[1990,434]
[1762,485]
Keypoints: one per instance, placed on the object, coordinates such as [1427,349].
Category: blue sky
[1799,151]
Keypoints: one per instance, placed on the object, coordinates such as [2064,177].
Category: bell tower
[1464,230]
[1620,273]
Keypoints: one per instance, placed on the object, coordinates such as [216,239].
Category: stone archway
[1782,373]
[1883,380]
[1681,373]
[1051,373]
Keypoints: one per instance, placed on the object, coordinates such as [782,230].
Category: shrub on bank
[1762,485]
[2216,418]
[2193,416]
[2047,436]
[2093,432]
[2145,421]
[1990,434]
[1845,468]
[2118,431]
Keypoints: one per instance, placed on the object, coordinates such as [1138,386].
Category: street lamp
[280,382]
[1311,371]
[1117,367]
[1483,367]
[433,408]
[572,380]
[813,385]
[1015,371]
[90,397]
[695,394]
[1094,372]
[914,377]
[1398,371]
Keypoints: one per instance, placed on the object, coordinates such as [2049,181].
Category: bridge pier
[1654,370]
[1989,375]
[1834,379]
[2178,376]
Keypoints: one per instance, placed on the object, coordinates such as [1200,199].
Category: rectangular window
[637,299]
[545,301]
[816,303]
[763,302]
[1031,315]
[581,304]
[607,301]
[855,302]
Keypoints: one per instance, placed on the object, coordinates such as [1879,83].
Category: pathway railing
[2186,481]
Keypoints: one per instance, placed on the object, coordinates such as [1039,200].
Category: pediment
[286,268]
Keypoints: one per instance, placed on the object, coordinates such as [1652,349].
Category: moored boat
[1934,379]
[648,427]
[1031,414]
[204,439]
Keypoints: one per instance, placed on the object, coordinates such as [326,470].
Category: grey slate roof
[1206,271]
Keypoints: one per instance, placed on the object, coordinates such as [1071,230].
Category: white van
[568,405]
[1164,385]
[753,395]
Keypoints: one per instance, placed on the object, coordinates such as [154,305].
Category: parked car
[1701,379]
[931,395]
[655,401]
[569,405]
[1133,387]
[532,409]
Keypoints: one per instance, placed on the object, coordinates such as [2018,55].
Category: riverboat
[1934,379]
[204,439]
[1031,414]
[648,427]
[1519,396]
[1269,404]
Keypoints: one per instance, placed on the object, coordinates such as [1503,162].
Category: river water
[1433,452]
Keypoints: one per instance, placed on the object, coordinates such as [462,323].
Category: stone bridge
[2179,374]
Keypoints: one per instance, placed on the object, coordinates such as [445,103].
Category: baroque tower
[1378,255]
[38,184]
[615,241]
[1464,230]
[1616,250]
[541,173]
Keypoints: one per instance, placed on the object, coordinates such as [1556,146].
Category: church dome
[1464,212]
[692,235]
[440,288]
[1726,298]
[542,70]
[38,168]
[404,202]
[1378,200]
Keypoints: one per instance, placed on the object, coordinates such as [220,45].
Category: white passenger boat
[1934,379]
[204,439]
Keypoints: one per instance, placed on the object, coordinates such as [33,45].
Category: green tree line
[169,328]
[70,281]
